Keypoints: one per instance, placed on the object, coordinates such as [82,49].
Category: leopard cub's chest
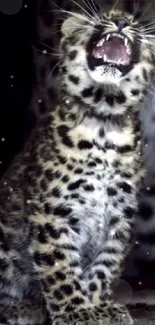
[89,187]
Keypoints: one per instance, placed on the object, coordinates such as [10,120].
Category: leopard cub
[68,203]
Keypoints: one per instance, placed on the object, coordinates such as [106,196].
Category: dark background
[16,79]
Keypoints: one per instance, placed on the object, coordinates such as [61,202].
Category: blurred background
[17,71]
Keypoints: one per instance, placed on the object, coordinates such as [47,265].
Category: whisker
[135,9]
[47,53]
[144,12]
[51,48]
[149,24]
[79,27]
[148,18]
[56,65]
[77,24]
[82,8]
[149,36]
[148,32]
[76,15]
[87,4]
[94,9]
[134,30]
[58,31]
[55,4]
[148,27]
[115,4]
[145,41]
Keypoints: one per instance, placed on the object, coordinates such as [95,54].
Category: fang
[125,41]
[107,37]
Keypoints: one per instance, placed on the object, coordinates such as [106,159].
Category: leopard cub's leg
[107,265]
[67,291]
[25,312]
[57,260]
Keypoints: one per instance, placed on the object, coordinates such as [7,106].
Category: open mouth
[113,49]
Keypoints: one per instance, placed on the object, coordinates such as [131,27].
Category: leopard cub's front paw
[119,315]
[97,315]
[90,316]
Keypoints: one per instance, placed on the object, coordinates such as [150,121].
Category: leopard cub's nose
[120,23]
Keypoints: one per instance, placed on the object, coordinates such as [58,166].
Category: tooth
[105,57]
[107,37]
[100,43]
[128,50]
[98,56]
[125,41]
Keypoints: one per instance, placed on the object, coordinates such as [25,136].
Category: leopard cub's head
[107,55]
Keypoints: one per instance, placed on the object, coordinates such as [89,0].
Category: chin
[110,57]
[106,75]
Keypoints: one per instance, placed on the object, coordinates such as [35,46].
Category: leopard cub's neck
[78,126]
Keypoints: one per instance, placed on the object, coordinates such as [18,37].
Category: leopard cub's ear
[70,25]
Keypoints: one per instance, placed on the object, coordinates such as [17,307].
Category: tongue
[115,51]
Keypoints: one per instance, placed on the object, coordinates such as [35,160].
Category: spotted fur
[68,203]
